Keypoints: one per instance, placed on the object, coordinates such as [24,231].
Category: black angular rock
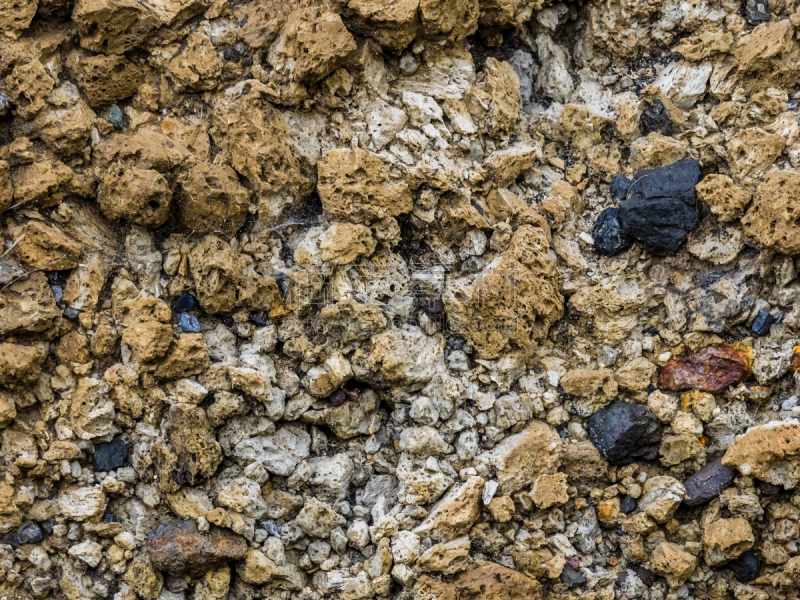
[186,303]
[763,323]
[757,11]
[745,567]
[624,432]
[28,533]
[661,207]
[656,119]
[609,239]
[619,186]
[707,483]
[110,455]
[572,578]
[627,505]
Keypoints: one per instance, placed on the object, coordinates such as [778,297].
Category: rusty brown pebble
[178,548]
[712,369]
[337,398]
[795,359]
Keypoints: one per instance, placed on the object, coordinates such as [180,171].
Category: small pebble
[745,567]
[114,116]
[763,323]
[186,303]
[110,455]
[188,323]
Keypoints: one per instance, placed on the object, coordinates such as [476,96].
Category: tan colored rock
[490,581]
[725,199]
[104,79]
[510,304]
[343,243]
[259,569]
[656,150]
[549,490]
[769,452]
[196,66]
[20,364]
[771,219]
[661,497]
[318,519]
[15,17]
[29,84]
[149,340]
[751,151]
[6,187]
[496,102]
[505,165]
[313,43]
[501,508]
[27,306]
[64,124]
[677,448]
[82,503]
[454,514]
[113,26]
[187,355]
[46,248]
[91,411]
[190,503]
[581,461]
[142,196]
[44,183]
[357,185]
[392,25]
[585,382]
[143,578]
[212,200]
[726,539]
[402,357]
[446,557]
[671,561]
[519,458]
[636,375]
[215,273]
[187,452]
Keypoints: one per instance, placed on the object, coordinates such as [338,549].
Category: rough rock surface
[399,299]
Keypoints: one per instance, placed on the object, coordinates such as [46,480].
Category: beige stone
[672,562]
[724,197]
[771,220]
[454,514]
[549,490]
[769,452]
[726,539]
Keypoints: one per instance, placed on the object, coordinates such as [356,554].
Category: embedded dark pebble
[656,119]
[110,455]
[28,533]
[258,319]
[763,323]
[186,303]
[609,238]
[707,483]
[230,54]
[337,398]
[627,505]
[572,578]
[434,307]
[646,575]
[767,488]
[661,207]
[624,432]
[178,547]
[188,323]
[745,567]
[757,11]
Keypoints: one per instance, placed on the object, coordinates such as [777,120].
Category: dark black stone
[28,533]
[655,118]
[110,455]
[627,505]
[757,11]
[572,578]
[619,186]
[258,319]
[745,567]
[763,323]
[188,323]
[646,575]
[661,207]
[434,307]
[109,518]
[707,483]
[186,303]
[609,239]
[768,489]
[625,433]
[651,388]
[230,54]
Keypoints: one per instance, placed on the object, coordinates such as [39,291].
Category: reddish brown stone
[711,369]
[178,547]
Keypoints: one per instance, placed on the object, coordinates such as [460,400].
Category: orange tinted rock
[178,547]
[711,369]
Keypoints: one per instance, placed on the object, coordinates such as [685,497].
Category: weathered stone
[670,561]
[446,557]
[280,453]
[609,238]
[519,458]
[46,248]
[769,452]
[113,26]
[110,455]
[711,369]
[770,220]
[20,364]
[179,548]
[212,200]
[104,79]
[28,306]
[662,496]
[707,483]
[318,519]
[215,273]
[454,514]
[141,196]
[490,581]
[726,539]
[624,433]
[725,199]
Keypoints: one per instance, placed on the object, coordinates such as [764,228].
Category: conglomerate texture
[408,299]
